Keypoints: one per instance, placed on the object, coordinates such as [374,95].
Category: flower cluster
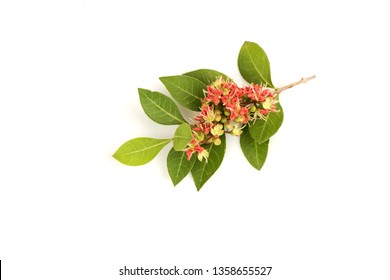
[228,108]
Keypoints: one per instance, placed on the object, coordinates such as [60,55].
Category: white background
[69,73]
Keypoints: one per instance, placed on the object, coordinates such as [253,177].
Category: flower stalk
[303,80]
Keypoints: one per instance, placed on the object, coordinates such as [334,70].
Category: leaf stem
[303,80]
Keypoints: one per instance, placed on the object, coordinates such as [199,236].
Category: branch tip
[303,80]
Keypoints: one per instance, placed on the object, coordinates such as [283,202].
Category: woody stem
[303,80]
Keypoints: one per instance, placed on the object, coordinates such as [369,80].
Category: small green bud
[217,118]
[236,131]
[218,112]
[239,119]
[223,119]
[228,125]
[226,113]
[252,108]
[217,141]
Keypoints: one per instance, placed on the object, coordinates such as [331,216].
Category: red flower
[244,111]
[189,153]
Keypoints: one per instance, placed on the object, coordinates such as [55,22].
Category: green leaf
[139,151]
[207,76]
[178,165]
[254,152]
[202,170]
[253,64]
[159,107]
[261,130]
[186,90]
[183,135]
